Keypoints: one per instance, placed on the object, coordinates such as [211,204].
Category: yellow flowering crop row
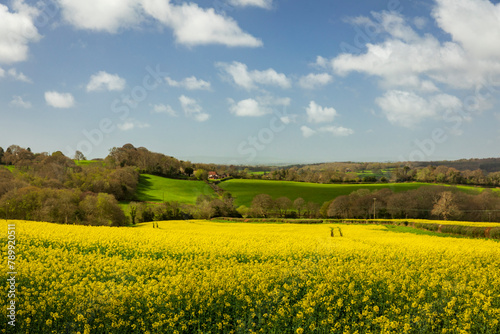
[204,277]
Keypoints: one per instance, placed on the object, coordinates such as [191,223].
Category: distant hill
[488,165]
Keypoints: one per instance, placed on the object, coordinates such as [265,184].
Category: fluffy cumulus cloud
[17,31]
[17,101]
[97,15]
[239,74]
[266,4]
[407,59]
[131,124]
[408,109]
[413,66]
[313,80]
[59,100]
[192,109]
[164,109]
[307,131]
[318,114]
[475,24]
[105,81]
[190,83]
[258,107]
[193,25]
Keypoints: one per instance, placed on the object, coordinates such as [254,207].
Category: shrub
[475,232]
[495,233]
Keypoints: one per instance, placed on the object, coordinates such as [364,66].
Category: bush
[495,233]
[475,232]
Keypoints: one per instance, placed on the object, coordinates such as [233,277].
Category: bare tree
[283,204]
[79,156]
[445,206]
[299,205]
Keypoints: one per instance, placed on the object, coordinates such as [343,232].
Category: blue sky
[253,81]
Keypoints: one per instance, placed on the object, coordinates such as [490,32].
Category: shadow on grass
[143,188]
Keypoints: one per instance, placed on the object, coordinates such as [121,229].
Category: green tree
[188,171]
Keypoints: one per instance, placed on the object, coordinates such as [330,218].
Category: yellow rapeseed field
[204,277]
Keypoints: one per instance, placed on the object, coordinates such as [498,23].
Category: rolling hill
[153,188]
[244,190]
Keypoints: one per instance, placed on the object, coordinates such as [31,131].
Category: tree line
[406,173]
[422,203]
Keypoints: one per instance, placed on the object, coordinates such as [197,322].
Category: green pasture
[153,188]
[245,190]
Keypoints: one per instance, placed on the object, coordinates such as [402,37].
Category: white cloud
[131,124]
[307,131]
[105,81]
[59,100]
[193,25]
[313,81]
[266,4]
[17,30]
[164,109]
[248,107]
[190,83]
[475,24]
[319,114]
[2,72]
[406,60]
[18,101]
[337,131]
[321,62]
[288,119]
[98,15]
[242,77]
[18,76]
[260,106]
[408,109]
[192,109]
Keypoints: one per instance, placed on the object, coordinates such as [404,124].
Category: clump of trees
[63,206]
[51,187]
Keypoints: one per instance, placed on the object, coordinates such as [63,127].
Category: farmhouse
[213,175]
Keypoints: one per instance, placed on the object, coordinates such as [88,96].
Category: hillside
[153,188]
[244,190]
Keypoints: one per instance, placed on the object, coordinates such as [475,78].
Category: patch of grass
[88,162]
[258,173]
[153,188]
[244,190]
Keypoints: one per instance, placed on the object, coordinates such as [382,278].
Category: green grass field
[88,162]
[244,190]
[153,188]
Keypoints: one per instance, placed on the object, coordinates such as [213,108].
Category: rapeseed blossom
[206,277]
